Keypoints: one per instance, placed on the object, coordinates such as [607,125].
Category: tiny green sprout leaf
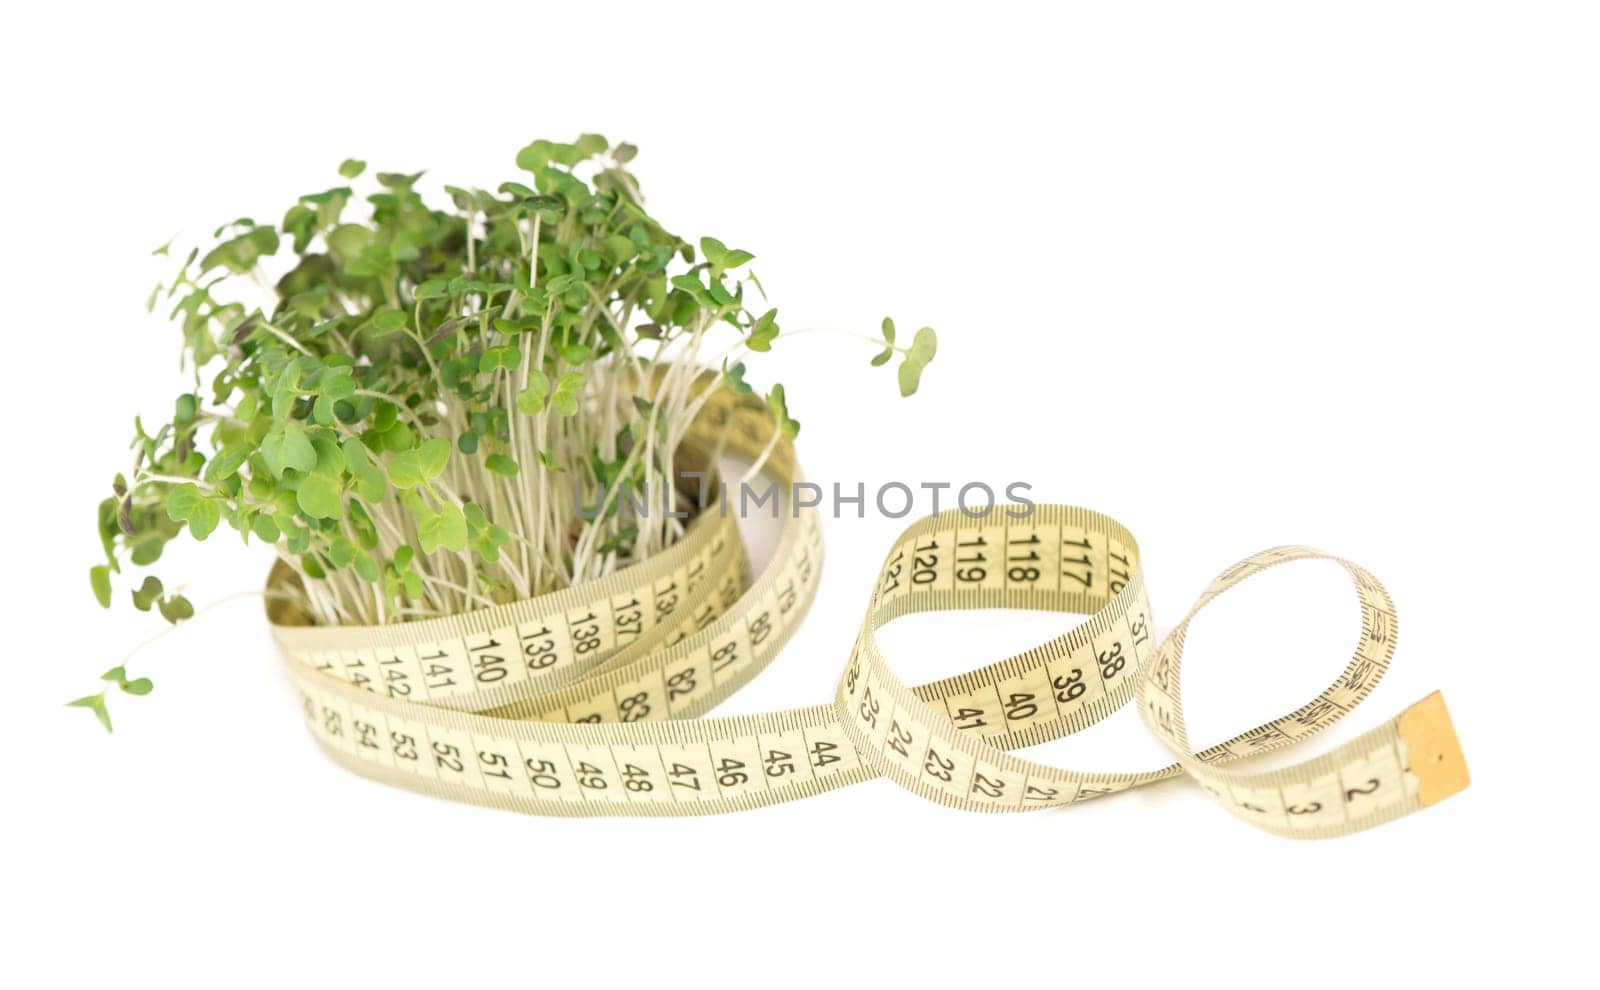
[388,320]
[780,411]
[446,528]
[95,703]
[564,399]
[501,464]
[420,464]
[227,462]
[370,481]
[240,255]
[319,497]
[736,380]
[352,167]
[262,525]
[100,581]
[203,521]
[138,686]
[888,341]
[433,288]
[338,384]
[922,349]
[499,357]
[144,596]
[530,401]
[186,503]
[435,454]
[763,332]
[288,447]
[696,290]
[182,501]
[176,608]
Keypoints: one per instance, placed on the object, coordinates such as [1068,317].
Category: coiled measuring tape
[587,701]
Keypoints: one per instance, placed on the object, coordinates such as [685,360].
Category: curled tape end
[1436,757]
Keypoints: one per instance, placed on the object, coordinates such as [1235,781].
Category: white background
[1238,274]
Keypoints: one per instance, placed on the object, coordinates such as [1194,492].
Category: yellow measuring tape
[586,701]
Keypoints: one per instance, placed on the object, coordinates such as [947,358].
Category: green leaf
[341,552]
[501,464]
[721,257]
[176,608]
[922,349]
[144,596]
[139,686]
[695,288]
[763,332]
[564,399]
[370,482]
[433,288]
[227,462]
[421,464]
[736,380]
[100,581]
[435,454]
[446,528]
[288,447]
[888,340]
[338,384]
[203,521]
[319,497]
[780,412]
[262,525]
[499,357]
[241,254]
[182,501]
[531,400]
[352,167]
[186,503]
[387,320]
[713,250]
[97,704]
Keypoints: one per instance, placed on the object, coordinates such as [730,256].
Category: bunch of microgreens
[407,414]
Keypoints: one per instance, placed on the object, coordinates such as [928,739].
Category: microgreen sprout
[401,399]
